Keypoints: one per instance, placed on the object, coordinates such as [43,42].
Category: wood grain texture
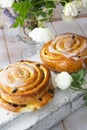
[4,57]
[82,23]
[59,126]
[77,120]
[65,27]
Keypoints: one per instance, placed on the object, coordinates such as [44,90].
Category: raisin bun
[66,52]
[25,86]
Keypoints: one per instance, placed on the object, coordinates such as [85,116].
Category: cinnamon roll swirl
[25,86]
[66,52]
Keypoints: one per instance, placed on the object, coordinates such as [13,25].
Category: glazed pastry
[66,52]
[25,86]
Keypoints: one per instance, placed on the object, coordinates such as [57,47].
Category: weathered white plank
[14,45]
[77,120]
[65,27]
[4,59]
[82,25]
[6,116]
[59,126]
[3,19]
[75,105]
[50,28]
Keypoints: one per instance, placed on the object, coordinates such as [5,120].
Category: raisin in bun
[66,52]
[25,86]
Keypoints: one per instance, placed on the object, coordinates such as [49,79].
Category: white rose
[72,8]
[84,3]
[67,18]
[63,80]
[6,3]
[0,3]
[41,35]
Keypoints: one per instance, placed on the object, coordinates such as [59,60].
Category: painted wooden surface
[75,121]
[58,127]
[4,56]
[64,102]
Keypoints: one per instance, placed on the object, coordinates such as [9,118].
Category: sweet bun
[25,86]
[66,52]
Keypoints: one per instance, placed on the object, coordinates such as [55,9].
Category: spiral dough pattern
[67,52]
[24,84]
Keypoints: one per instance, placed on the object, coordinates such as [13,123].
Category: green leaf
[74,76]
[85,97]
[78,79]
[31,9]
[75,84]
[81,74]
[43,14]
[86,103]
[50,4]
[15,25]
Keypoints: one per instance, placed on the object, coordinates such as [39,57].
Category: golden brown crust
[32,106]
[23,86]
[67,52]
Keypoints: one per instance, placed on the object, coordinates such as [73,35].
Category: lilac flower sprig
[11,17]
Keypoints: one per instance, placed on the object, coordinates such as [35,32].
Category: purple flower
[10,16]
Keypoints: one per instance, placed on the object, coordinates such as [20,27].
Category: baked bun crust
[25,86]
[66,52]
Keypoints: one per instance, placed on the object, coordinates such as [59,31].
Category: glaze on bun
[66,52]
[25,86]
